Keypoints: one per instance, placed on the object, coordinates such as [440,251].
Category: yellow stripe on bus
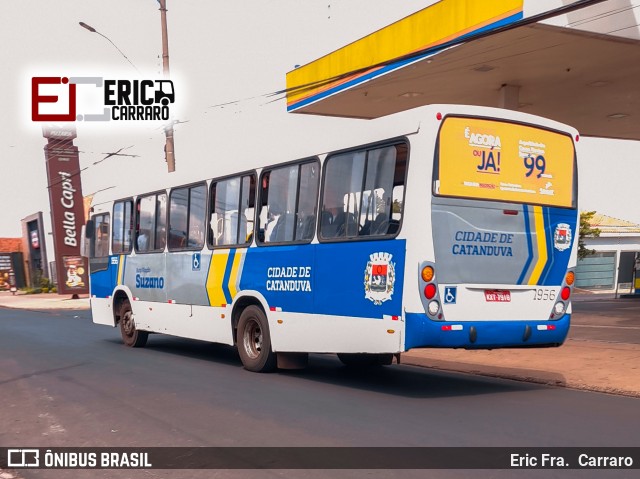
[541,240]
[235,273]
[120,269]
[215,278]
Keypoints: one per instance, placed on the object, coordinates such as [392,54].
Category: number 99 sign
[538,163]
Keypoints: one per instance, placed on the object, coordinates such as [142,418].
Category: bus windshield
[487,159]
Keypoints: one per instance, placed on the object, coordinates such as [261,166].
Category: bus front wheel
[131,336]
[254,342]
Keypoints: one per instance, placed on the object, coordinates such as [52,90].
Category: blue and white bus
[447,226]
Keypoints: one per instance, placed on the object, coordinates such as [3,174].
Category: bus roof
[353,132]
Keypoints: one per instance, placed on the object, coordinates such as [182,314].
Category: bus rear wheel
[363,360]
[254,342]
[131,336]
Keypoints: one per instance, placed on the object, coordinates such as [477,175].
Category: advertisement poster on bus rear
[494,160]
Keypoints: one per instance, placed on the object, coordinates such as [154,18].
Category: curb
[515,374]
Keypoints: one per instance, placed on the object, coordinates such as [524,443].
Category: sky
[226,57]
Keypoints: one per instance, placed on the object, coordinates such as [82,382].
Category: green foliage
[36,278]
[32,290]
[586,231]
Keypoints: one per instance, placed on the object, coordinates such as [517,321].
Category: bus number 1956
[544,294]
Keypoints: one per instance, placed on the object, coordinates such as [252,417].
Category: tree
[586,231]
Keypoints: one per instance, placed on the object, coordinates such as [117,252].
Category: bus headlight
[433,308]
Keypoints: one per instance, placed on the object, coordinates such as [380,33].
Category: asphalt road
[600,318]
[67,382]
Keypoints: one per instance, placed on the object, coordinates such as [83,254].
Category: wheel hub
[127,323]
[253,339]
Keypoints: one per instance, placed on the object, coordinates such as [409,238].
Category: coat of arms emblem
[379,278]
[562,237]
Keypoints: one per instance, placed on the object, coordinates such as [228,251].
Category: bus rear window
[486,159]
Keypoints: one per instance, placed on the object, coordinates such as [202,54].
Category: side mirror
[88,229]
[84,241]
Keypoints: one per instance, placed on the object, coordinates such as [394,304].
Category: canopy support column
[509,97]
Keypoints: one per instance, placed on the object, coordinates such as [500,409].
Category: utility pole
[168,130]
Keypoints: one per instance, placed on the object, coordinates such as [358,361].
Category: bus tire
[364,360]
[254,341]
[131,336]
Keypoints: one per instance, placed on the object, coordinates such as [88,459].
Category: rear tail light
[570,278]
[558,309]
[427,274]
[428,288]
[430,291]
[566,292]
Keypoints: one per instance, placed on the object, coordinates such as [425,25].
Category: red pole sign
[67,212]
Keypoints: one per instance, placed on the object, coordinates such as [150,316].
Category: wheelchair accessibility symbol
[450,293]
[195,262]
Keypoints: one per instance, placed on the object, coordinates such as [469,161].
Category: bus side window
[122,227]
[288,203]
[247,209]
[187,207]
[308,198]
[396,209]
[230,200]
[178,205]
[277,219]
[197,208]
[99,246]
[362,192]
[341,194]
[225,196]
[160,236]
[146,223]
[151,220]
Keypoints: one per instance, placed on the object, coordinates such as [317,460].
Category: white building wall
[616,243]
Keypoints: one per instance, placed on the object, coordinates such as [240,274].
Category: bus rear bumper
[423,332]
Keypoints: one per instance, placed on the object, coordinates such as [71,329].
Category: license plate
[497,295]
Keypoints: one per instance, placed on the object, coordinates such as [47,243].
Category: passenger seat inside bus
[283,229]
[380,225]
[334,227]
[306,228]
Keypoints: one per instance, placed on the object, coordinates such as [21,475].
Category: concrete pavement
[579,364]
[42,301]
[609,367]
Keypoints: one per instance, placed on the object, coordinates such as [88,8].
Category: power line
[61,144]
[420,54]
[601,16]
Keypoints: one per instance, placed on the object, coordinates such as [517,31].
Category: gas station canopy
[584,79]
